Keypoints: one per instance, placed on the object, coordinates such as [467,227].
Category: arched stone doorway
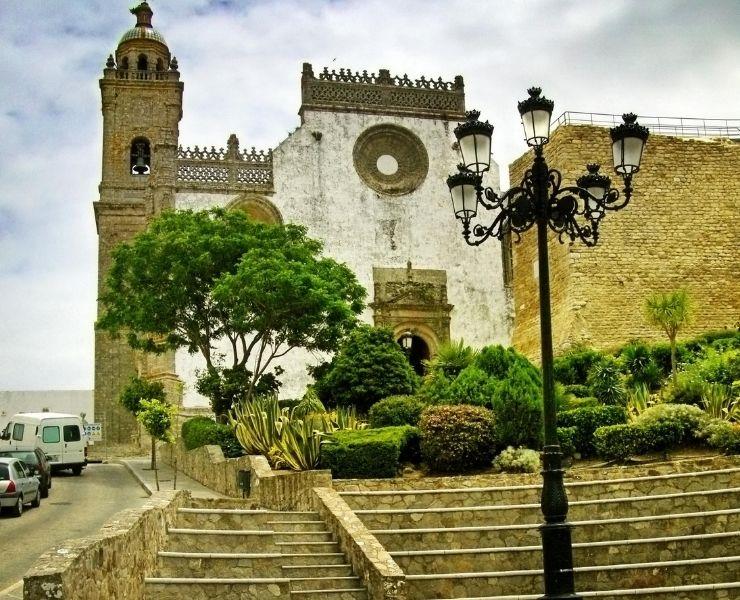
[417,353]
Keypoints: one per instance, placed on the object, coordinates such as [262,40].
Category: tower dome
[142,48]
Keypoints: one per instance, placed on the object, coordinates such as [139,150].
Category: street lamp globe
[536,113]
[474,139]
[628,142]
[597,185]
[463,190]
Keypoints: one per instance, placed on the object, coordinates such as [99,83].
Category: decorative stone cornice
[230,169]
[348,91]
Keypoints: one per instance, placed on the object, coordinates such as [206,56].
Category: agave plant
[638,399]
[310,403]
[720,402]
[451,358]
[298,446]
[346,418]
[255,424]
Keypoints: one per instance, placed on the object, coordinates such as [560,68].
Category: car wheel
[45,490]
[17,510]
[77,470]
[37,500]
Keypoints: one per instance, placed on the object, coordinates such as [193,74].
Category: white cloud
[241,63]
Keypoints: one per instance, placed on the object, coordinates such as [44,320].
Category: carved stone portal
[415,301]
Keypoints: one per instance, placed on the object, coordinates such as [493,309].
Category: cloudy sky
[241,63]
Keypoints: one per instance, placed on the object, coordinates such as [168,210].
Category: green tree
[240,293]
[139,389]
[670,311]
[369,366]
[157,416]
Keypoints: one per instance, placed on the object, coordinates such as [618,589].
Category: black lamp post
[571,212]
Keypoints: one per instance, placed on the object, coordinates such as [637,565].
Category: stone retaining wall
[110,564]
[370,561]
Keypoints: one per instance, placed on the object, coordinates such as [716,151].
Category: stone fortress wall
[680,230]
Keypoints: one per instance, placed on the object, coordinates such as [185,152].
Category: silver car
[17,486]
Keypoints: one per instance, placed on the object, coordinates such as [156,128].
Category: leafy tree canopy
[194,278]
[139,389]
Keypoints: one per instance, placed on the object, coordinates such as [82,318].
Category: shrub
[661,354]
[660,435]
[721,402]
[396,410]
[577,389]
[686,388]
[606,381]
[722,435]
[517,460]
[436,388]
[587,420]
[202,431]
[456,439]
[472,386]
[573,366]
[567,437]
[640,365]
[618,442]
[719,367]
[690,419]
[497,362]
[369,452]
[369,366]
[517,405]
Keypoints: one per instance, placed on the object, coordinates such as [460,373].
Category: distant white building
[62,401]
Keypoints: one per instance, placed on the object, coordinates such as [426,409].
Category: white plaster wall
[63,401]
[316,185]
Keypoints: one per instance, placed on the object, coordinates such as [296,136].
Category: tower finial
[143,15]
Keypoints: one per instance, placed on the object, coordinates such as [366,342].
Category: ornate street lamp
[571,212]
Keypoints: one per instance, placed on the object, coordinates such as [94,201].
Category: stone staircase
[222,551]
[666,536]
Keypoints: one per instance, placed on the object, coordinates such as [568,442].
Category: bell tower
[141,96]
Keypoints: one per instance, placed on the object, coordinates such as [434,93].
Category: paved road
[76,507]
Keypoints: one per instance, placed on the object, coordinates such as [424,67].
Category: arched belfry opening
[141,157]
[142,63]
[416,349]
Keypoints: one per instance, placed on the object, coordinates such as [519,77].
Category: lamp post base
[558,562]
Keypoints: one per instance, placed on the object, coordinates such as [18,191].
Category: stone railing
[141,75]
[370,560]
[348,91]
[224,170]
[110,564]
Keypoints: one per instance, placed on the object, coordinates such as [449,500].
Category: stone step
[711,591]
[280,526]
[230,518]
[330,594]
[671,483]
[304,584]
[195,588]
[303,536]
[202,564]
[527,534]
[317,570]
[297,547]
[655,504]
[598,578]
[584,554]
[220,540]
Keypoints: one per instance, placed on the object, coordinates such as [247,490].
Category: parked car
[17,486]
[61,436]
[37,464]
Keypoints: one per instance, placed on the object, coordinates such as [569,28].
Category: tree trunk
[673,358]
[154,453]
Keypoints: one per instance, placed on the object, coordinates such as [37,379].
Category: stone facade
[364,172]
[679,231]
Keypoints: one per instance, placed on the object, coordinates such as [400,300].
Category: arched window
[160,64]
[124,63]
[142,64]
[140,157]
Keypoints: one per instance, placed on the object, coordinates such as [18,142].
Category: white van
[60,436]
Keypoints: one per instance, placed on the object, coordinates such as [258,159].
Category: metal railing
[678,126]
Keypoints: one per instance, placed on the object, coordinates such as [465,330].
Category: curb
[135,475]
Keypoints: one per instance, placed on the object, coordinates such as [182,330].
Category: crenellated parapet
[224,170]
[345,90]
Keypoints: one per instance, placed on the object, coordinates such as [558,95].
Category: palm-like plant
[670,311]
[451,358]
[721,402]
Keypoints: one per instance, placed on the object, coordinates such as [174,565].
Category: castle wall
[679,231]
[316,185]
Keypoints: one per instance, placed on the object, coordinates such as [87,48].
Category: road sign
[94,431]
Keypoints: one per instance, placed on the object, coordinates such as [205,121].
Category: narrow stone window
[140,157]
[124,63]
[142,64]
[160,65]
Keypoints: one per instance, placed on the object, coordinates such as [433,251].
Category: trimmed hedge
[619,442]
[587,420]
[567,437]
[457,439]
[352,454]
[396,410]
[202,431]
